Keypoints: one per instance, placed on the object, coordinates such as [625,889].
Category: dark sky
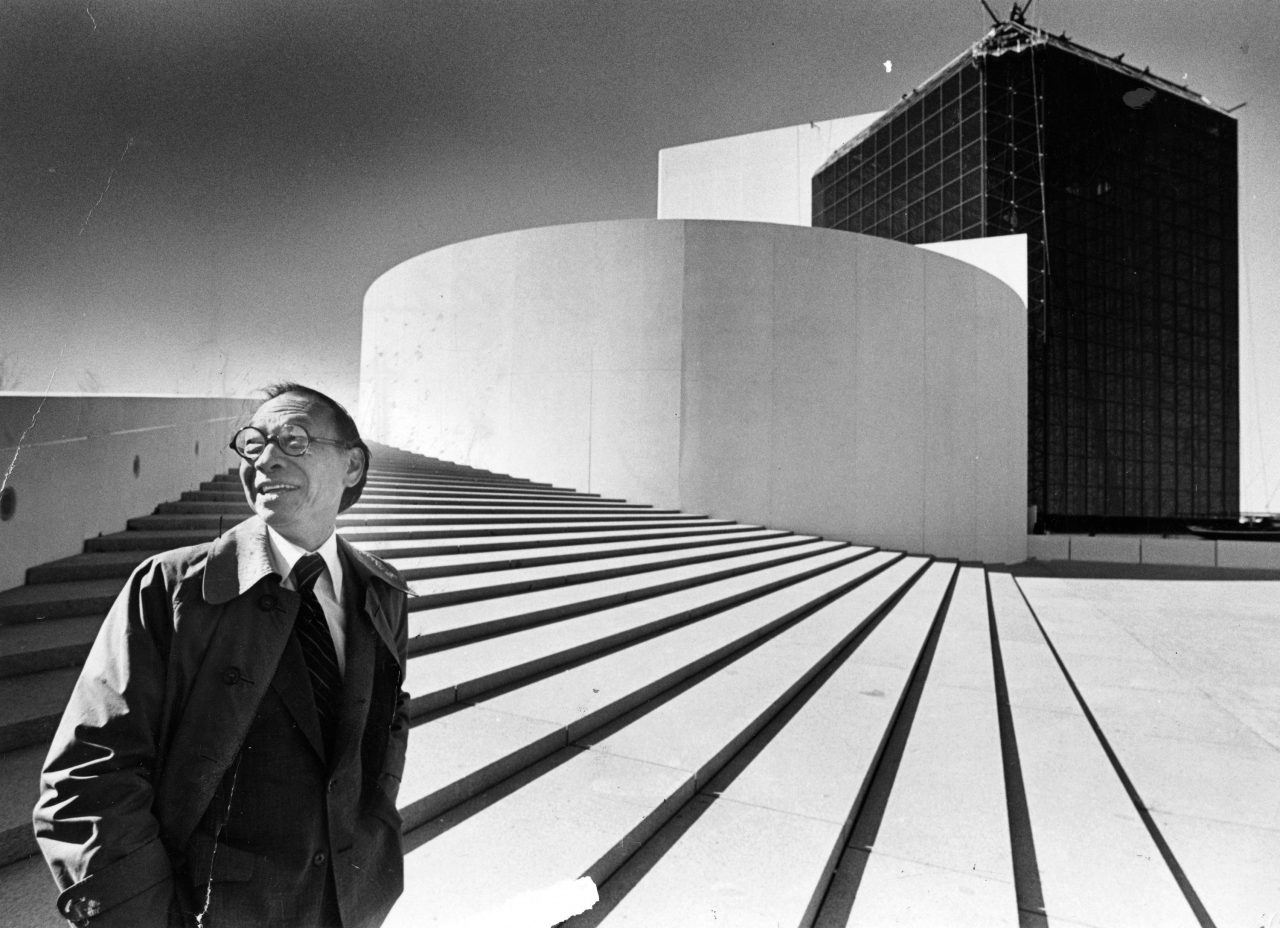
[234,163]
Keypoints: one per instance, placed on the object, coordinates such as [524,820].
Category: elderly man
[232,751]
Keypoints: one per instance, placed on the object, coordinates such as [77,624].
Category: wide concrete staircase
[719,724]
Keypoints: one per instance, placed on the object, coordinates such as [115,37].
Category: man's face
[299,496]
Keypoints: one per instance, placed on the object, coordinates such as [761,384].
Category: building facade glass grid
[1126,191]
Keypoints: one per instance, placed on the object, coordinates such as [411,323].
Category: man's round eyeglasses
[293,440]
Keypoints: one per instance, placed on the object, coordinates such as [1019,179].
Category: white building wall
[758,177]
[800,378]
[767,177]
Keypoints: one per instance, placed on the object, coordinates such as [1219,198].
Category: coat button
[231,676]
[266,602]
[319,859]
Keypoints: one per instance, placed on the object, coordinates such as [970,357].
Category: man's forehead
[291,407]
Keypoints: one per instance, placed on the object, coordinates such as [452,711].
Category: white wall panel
[800,378]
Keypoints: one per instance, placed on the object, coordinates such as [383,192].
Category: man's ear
[356,464]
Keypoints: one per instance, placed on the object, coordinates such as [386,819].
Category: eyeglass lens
[292,439]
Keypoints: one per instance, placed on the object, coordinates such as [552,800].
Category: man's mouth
[276,487]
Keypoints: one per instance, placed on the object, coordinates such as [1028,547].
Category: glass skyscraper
[1125,186]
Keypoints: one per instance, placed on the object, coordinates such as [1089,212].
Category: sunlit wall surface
[840,385]
[1125,186]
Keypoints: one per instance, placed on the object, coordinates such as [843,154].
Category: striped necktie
[317,645]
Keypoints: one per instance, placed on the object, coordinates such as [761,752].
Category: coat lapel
[358,681]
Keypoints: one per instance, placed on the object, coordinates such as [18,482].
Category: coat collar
[241,557]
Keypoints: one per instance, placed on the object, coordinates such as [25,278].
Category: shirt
[328,588]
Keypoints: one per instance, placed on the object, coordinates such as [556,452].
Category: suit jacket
[195,655]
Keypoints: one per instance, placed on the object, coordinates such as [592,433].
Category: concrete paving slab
[1098,865]
[952,816]
[581,540]
[1182,715]
[443,590]
[1232,867]
[448,624]
[820,761]
[584,815]
[818,765]
[902,893]
[416,567]
[1097,862]
[916,610]
[1223,782]
[466,670]
[456,756]
[734,864]
[701,726]
[963,657]
[1235,665]
[602,689]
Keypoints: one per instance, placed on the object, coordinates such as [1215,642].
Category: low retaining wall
[81,465]
[1188,551]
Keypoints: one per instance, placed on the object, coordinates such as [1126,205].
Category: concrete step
[440,677]
[449,590]
[420,566]
[120,562]
[212,522]
[165,539]
[390,474]
[31,704]
[941,854]
[447,625]
[457,474]
[590,805]
[494,737]
[19,789]
[410,504]
[586,541]
[57,600]
[1097,863]
[224,492]
[751,847]
[241,508]
[28,647]
[27,895]
[91,566]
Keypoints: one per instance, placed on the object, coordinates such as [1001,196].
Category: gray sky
[309,145]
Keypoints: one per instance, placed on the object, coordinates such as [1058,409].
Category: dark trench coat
[156,720]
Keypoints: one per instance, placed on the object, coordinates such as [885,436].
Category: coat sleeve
[398,737]
[94,820]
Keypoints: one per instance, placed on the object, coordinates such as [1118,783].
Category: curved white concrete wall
[801,378]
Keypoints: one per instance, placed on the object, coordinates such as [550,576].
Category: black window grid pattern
[1129,207]
[918,176]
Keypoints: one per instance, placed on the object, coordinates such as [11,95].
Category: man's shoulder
[374,566]
[179,563]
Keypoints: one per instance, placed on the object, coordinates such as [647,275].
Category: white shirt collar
[284,554]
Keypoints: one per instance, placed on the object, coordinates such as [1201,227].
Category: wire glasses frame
[293,440]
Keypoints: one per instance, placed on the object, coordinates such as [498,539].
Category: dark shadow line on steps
[868,813]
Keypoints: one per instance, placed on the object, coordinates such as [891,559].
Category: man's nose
[271,457]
